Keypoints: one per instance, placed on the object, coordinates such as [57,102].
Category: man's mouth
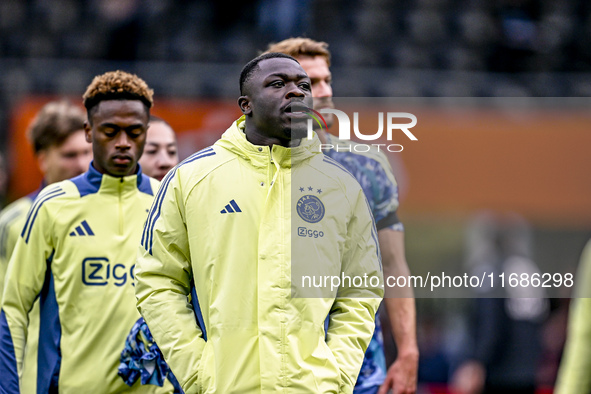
[297,110]
[160,175]
[122,160]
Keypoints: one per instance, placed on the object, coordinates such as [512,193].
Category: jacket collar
[33,195]
[92,181]
[234,139]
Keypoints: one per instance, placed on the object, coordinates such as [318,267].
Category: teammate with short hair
[161,151]
[57,137]
[225,220]
[381,190]
[77,252]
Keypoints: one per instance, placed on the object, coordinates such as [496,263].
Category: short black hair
[250,67]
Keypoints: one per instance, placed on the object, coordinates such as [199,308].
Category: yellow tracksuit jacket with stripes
[77,253]
[246,224]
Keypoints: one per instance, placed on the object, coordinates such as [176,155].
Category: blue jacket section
[49,354]
[8,370]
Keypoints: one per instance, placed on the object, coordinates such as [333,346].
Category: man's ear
[41,160]
[244,104]
[88,132]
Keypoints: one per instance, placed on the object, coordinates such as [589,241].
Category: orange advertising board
[532,161]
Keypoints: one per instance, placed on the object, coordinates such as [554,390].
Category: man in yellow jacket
[276,238]
[76,252]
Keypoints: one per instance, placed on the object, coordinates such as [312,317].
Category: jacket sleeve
[573,375]
[352,316]
[163,284]
[24,280]
[11,225]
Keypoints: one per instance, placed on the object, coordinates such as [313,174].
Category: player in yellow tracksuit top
[57,137]
[230,218]
[77,253]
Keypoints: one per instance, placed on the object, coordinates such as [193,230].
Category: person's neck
[131,171]
[322,136]
[256,138]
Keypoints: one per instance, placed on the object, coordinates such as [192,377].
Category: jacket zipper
[120,207]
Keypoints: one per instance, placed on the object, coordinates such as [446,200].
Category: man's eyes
[305,85]
[135,132]
[131,133]
[155,151]
[279,84]
[69,155]
[327,81]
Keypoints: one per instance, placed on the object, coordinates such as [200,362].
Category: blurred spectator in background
[434,360]
[123,21]
[57,136]
[574,375]
[278,19]
[161,152]
[517,22]
[507,321]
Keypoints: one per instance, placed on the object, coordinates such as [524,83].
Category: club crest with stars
[309,207]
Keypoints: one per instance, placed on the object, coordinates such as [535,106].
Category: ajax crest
[310,209]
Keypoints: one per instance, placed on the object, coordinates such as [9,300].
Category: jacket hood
[234,140]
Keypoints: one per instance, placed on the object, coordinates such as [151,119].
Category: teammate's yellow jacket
[573,375]
[246,223]
[12,220]
[76,253]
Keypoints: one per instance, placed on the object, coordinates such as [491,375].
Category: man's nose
[164,160]
[322,89]
[295,91]
[123,141]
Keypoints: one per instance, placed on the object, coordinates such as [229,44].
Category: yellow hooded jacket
[247,224]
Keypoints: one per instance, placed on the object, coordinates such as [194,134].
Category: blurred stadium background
[191,53]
